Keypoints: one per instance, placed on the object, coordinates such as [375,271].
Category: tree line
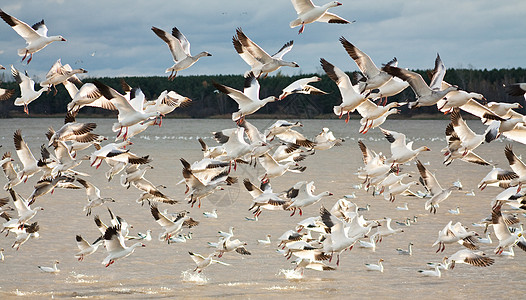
[208,102]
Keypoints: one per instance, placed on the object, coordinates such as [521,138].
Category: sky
[114,38]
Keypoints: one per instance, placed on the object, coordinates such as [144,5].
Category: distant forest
[208,102]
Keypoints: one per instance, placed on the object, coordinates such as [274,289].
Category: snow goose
[516,89]
[53,269]
[4,206]
[24,234]
[93,195]
[486,239]
[180,49]
[25,213]
[61,73]
[211,152]
[142,236]
[438,194]
[454,149]
[290,152]
[370,111]
[502,232]
[504,110]
[5,94]
[27,89]
[35,36]
[457,98]
[260,61]
[309,13]
[325,140]
[248,101]
[135,176]
[517,166]
[455,211]
[87,95]
[266,241]
[469,139]
[431,273]
[401,152]
[384,229]
[166,103]
[2,258]
[376,267]
[301,195]
[274,169]
[301,86]
[369,245]
[375,77]
[229,245]
[263,198]
[451,234]
[399,188]
[351,97]
[339,239]
[9,171]
[391,179]
[210,215]
[256,138]
[85,247]
[466,256]
[73,131]
[404,207]
[282,129]
[409,250]
[425,94]
[114,243]
[392,87]
[198,189]
[128,115]
[171,227]
[116,151]
[203,262]
[308,263]
[47,185]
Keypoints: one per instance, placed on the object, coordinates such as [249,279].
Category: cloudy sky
[114,38]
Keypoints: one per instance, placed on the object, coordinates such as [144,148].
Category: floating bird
[180,49]
[35,36]
[409,250]
[266,241]
[309,13]
[53,269]
[376,267]
[431,273]
[212,214]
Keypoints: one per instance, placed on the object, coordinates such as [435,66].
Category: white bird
[128,115]
[404,207]
[455,211]
[93,195]
[180,49]
[425,94]
[301,195]
[309,13]
[35,36]
[87,95]
[369,245]
[375,77]
[401,152]
[266,241]
[466,256]
[212,214]
[2,258]
[27,89]
[502,232]
[60,74]
[486,239]
[260,62]
[301,86]
[274,169]
[351,96]
[228,245]
[142,236]
[203,262]
[53,269]
[438,194]
[171,227]
[432,273]
[409,250]
[248,101]
[385,229]
[376,267]
[455,234]
[25,213]
[86,248]
[114,243]
[469,139]
[24,234]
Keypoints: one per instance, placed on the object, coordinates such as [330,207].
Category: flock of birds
[279,149]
